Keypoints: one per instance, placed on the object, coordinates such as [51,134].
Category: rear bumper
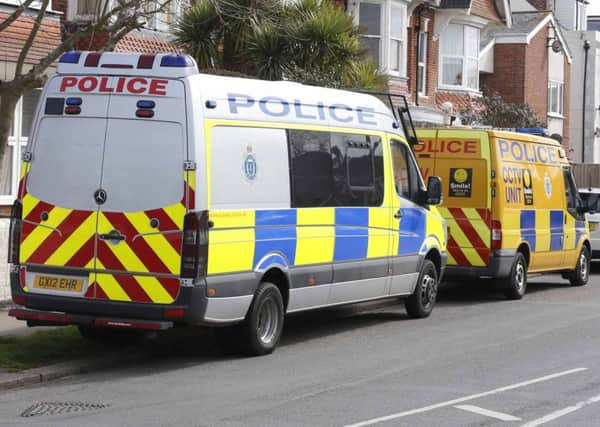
[498,267]
[192,301]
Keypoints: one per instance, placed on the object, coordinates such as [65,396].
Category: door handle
[398,214]
[113,235]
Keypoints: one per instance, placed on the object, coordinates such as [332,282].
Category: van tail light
[194,253]
[14,239]
[496,235]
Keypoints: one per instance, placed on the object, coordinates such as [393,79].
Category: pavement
[9,326]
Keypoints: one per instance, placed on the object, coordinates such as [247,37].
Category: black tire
[261,331]
[515,285]
[420,304]
[581,274]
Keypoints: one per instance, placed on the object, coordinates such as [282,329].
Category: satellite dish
[556,46]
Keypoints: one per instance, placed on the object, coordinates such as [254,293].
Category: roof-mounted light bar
[133,64]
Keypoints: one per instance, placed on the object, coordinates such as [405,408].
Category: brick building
[532,65]
[430,49]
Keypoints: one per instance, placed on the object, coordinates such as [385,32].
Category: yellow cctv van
[152,195]
[511,205]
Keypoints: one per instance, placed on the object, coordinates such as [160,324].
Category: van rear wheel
[420,303]
[263,326]
[581,274]
[515,284]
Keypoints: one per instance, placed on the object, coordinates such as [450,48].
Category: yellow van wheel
[420,303]
[581,274]
[515,285]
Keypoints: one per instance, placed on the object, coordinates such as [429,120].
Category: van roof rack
[401,114]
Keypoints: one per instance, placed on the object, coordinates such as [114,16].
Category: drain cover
[54,408]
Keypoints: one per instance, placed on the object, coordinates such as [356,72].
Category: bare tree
[116,18]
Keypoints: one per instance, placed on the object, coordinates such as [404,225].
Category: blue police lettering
[334,115]
[528,151]
[278,107]
[285,110]
[298,108]
[234,104]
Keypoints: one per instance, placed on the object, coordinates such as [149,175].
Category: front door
[409,217]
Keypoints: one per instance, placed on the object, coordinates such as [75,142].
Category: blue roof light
[145,104]
[176,61]
[73,101]
[70,57]
[532,131]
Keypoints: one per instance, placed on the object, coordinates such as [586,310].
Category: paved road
[478,361]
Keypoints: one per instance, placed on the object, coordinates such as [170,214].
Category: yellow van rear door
[462,160]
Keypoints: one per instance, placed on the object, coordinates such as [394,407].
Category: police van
[511,204]
[152,195]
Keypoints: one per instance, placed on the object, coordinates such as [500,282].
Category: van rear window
[67,156]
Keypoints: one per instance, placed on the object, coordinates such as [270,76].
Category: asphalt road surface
[479,360]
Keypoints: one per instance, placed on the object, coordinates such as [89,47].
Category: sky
[594,7]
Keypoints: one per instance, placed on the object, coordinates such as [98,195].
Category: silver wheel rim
[268,320]
[428,290]
[519,277]
[583,267]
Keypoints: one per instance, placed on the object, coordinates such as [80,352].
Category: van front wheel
[515,284]
[264,322]
[420,303]
[580,276]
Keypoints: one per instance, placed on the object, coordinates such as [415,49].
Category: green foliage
[309,41]
[493,111]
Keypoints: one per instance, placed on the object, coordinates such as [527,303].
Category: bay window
[383,26]
[459,53]
[422,63]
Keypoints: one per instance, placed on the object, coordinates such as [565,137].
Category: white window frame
[465,59]
[385,36]
[18,144]
[560,86]
[422,65]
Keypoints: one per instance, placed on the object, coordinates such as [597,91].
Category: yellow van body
[506,193]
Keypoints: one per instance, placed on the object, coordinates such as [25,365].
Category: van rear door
[140,223]
[462,159]
[61,173]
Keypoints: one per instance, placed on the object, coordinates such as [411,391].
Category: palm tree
[309,41]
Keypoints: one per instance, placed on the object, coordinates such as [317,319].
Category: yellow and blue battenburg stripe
[412,230]
[533,221]
[254,240]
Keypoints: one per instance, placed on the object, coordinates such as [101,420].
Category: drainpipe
[586,48]
[418,33]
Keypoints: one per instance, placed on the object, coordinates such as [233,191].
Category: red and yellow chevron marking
[66,238]
[469,235]
[134,288]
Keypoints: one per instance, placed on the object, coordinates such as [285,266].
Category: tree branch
[36,27]
[15,15]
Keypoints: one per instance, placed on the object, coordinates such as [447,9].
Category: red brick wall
[485,9]
[432,61]
[536,75]
[460,100]
[61,6]
[508,78]
[13,38]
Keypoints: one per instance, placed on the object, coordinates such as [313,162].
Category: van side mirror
[434,190]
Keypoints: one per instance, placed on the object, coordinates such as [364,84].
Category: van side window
[311,168]
[406,176]
[570,190]
[335,169]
